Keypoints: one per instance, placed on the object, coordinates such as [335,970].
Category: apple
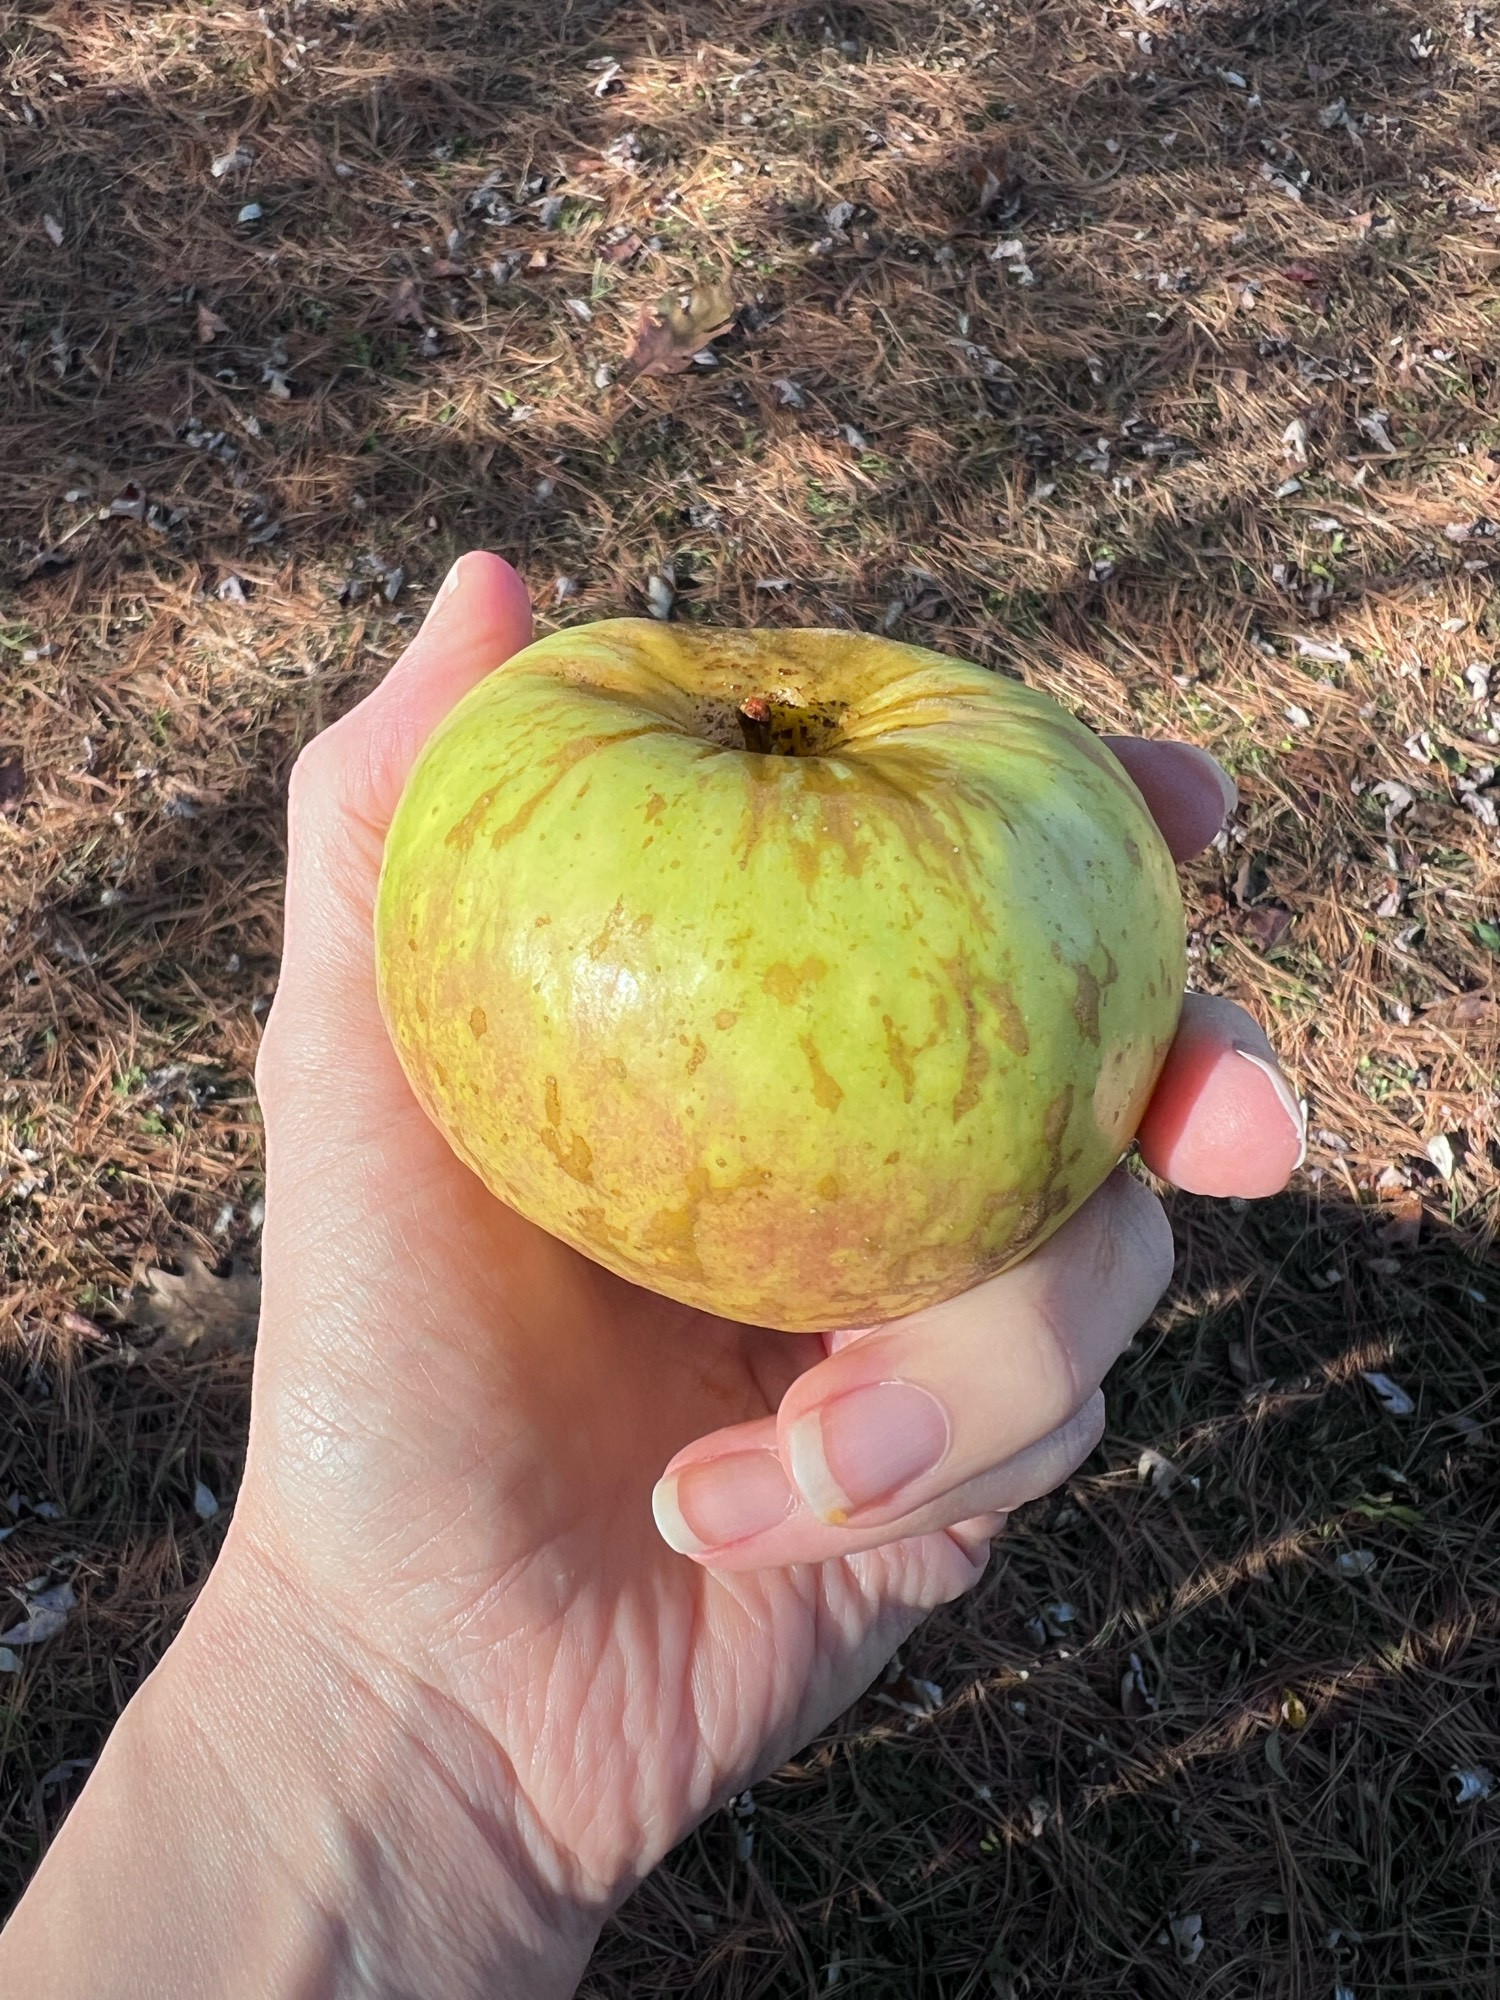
[800,976]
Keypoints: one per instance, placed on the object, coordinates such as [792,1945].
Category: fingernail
[864,1446]
[1228,790]
[721,1500]
[1285,1095]
[445,590]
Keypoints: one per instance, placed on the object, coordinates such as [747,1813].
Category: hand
[458,1422]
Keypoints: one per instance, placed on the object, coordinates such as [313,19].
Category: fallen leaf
[994,180]
[1355,1562]
[12,781]
[1461,1010]
[444,267]
[1187,1936]
[83,1328]
[1398,799]
[1440,1152]
[1164,1476]
[1404,1230]
[54,231]
[406,303]
[1475,1783]
[1268,925]
[1391,1394]
[913,1696]
[210,326]
[622,251]
[1375,425]
[681,326]
[232,162]
[1323,649]
[205,1505]
[1301,273]
[1135,1697]
[47,1611]
[195,1311]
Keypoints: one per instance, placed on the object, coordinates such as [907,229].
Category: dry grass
[1253,245]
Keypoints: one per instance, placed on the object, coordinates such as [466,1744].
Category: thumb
[325,1048]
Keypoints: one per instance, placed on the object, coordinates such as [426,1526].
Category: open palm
[459,1422]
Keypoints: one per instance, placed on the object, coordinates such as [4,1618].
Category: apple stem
[754,715]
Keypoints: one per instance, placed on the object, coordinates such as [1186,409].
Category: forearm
[268,1824]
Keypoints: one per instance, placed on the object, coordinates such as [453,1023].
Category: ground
[1148,351]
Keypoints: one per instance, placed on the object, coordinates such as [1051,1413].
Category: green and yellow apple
[804,977]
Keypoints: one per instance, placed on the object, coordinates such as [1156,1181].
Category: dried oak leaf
[210,326]
[1268,925]
[995,181]
[682,325]
[194,1310]
[1459,1010]
[623,251]
[406,304]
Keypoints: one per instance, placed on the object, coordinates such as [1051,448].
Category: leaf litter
[670,336]
[195,1311]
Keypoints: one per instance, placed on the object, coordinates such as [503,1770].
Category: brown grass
[1076,478]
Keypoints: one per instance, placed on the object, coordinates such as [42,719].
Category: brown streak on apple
[595,1227]
[478,1022]
[898,1053]
[564,760]
[673,1232]
[826,1091]
[1086,1004]
[699,1055]
[785,982]
[576,1160]
[1055,1123]
[656,805]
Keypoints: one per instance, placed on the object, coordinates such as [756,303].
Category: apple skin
[805,1040]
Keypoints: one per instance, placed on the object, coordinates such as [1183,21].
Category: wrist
[278,1813]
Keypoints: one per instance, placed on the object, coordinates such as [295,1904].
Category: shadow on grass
[1233,1686]
[1234,1693]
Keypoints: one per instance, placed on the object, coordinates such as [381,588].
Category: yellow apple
[804,977]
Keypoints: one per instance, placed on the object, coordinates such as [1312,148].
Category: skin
[448,1693]
[810,1039]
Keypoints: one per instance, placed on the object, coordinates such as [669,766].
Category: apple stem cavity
[754,715]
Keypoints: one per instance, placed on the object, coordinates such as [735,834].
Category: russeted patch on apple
[804,977]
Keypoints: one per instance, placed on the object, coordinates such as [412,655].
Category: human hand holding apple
[462,1692]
